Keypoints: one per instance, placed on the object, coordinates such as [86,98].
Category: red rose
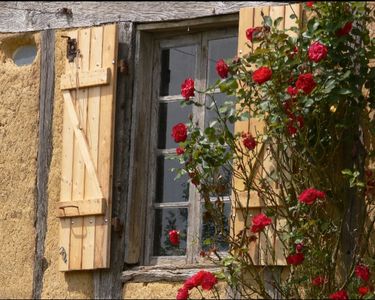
[260,222]
[363,290]
[295,259]
[222,68]
[182,294]
[293,52]
[179,132]
[187,88]
[310,3]
[299,247]
[340,295]
[310,195]
[319,280]
[362,272]
[317,52]
[345,30]
[291,129]
[300,121]
[288,107]
[180,150]
[293,122]
[195,280]
[292,91]
[262,75]
[250,32]
[306,83]
[209,280]
[248,141]
[174,237]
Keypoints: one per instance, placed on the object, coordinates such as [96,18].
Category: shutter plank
[269,248]
[66,175]
[80,157]
[106,129]
[92,134]
[87,162]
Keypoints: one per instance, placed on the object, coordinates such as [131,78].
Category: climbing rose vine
[300,159]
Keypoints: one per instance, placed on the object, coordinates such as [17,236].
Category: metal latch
[71,48]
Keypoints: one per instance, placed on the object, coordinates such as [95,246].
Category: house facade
[89,93]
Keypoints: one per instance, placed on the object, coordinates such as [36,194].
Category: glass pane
[24,55]
[166,220]
[211,236]
[177,64]
[219,49]
[223,181]
[169,115]
[168,189]
[211,114]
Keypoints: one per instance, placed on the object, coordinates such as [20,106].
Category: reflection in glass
[211,115]
[219,49]
[177,64]
[223,182]
[167,188]
[211,236]
[169,115]
[166,220]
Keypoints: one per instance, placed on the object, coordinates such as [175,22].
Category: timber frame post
[46,100]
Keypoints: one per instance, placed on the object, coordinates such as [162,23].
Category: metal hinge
[71,48]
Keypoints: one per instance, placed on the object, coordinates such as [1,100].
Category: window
[175,204]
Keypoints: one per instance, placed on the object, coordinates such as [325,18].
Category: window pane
[166,220]
[168,189]
[219,49]
[211,236]
[177,64]
[169,115]
[211,115]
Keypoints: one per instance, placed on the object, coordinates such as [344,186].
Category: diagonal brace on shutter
[82,142]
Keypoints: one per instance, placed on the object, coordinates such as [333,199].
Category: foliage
[307,91]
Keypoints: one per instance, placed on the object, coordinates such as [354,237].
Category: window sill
[171,273]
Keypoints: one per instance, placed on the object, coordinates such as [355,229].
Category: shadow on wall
[18,49]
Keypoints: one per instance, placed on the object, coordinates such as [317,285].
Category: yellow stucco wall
[165,290]
[19,102]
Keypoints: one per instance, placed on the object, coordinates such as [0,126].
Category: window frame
[162,41]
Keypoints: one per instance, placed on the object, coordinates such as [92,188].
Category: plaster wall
[19,104]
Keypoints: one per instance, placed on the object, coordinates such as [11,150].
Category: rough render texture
[19,103]
[165,290]
[56,284]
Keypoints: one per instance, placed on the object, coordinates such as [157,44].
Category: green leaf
[267,21]
[344,91]
[347,172]
[277,21]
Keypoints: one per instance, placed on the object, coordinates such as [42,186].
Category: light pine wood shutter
[259,251]
[88,87]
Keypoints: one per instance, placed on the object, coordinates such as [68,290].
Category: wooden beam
[107,283]
[46,99]
[81,208]
[85,79]
[170,273]
[17,16]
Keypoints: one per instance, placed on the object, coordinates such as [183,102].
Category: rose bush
[312,92]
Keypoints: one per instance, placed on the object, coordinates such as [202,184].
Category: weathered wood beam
[170,273]
[46,99]
[17,16]
[107,283]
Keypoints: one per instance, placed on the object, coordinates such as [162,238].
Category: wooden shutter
[260,253]
[88,87]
